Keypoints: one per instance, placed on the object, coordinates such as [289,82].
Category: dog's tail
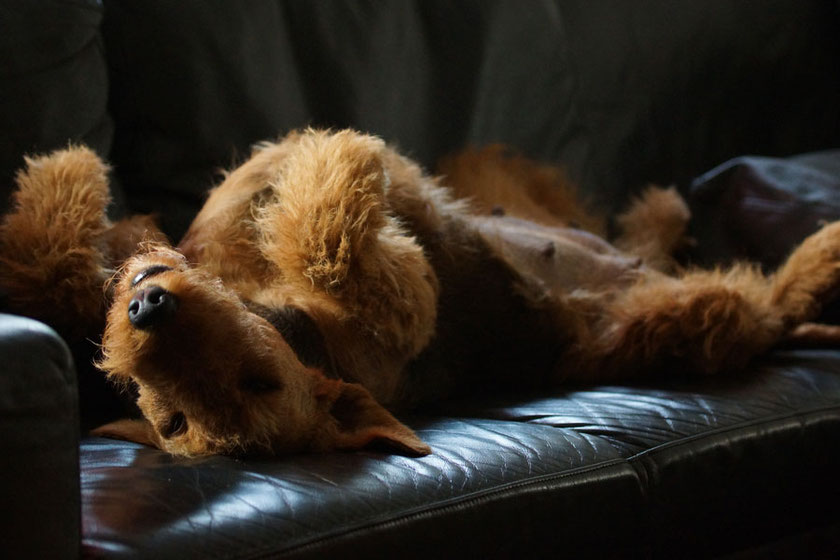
[52,265]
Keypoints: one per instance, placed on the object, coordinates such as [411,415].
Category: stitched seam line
[734,427]
[488,494]
[422,512]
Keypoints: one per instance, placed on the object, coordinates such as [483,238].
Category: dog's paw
[327,205]
[811,276]
[654,227]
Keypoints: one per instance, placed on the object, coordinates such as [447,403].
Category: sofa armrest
[39,430]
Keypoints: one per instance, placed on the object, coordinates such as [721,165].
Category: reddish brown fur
[204,363]
[654,227]
[304,223]
[57,247]
[414,295]
[495,180]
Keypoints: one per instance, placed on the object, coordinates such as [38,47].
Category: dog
[329,283]
[58,248]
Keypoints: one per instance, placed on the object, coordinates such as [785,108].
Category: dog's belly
[562,259]
[500,312]
[494,331]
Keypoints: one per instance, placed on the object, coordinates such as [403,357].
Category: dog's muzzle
[151,306]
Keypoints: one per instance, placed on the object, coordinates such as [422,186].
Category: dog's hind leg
[708,321]
[810,277]
[53,267]
[704,322]
[816,335]
[654,227]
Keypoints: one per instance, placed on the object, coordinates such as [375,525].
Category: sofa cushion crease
[523,462]
[482,498]
[620,94]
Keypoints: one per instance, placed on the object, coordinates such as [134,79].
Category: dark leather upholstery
[677,469]
[758,207]
[39,427]
[620,92]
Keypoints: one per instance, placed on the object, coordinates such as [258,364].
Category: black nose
[151,306]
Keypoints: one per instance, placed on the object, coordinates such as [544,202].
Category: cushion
[55,82]
[673,469]
[39,427]
[760,208]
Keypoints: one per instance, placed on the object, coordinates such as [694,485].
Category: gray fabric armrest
[39,430]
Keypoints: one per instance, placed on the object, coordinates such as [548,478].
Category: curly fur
[332,244]
[58,248]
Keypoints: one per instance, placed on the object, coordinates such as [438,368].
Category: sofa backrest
[620,92]
[53,81]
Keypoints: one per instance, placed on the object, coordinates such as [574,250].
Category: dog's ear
[360,421]
[138,431]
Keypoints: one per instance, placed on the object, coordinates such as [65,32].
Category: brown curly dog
[328,282]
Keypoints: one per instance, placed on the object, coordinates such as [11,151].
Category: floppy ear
[138,431]
[361,421]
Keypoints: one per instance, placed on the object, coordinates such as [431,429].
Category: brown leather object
[759,208]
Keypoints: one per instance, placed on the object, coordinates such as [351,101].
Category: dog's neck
[301,334]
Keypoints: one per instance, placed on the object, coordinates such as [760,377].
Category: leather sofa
[622,93]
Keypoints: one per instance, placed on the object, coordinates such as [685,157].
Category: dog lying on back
[328,282]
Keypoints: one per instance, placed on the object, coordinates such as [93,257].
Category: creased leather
[760,208]
[39,428]
[622,93]
[561,468]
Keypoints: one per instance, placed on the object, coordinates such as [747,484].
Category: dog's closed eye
[176,426]
[259,385]
[149,272]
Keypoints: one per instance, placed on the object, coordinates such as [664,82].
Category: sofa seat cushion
[697,466]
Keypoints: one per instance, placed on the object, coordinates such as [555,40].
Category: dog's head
[214,378]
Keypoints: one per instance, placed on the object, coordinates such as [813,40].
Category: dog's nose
[151,306]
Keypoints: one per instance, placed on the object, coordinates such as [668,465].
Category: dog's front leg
[344,257]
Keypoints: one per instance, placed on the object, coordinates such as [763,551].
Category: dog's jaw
[215,378]
[201,363]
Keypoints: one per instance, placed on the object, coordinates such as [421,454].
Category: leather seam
[439,507]
[732,428]
[480,496]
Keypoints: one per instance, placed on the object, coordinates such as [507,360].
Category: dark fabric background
[621,92]
[53,81]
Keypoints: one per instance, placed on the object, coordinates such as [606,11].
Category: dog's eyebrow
[148,273]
